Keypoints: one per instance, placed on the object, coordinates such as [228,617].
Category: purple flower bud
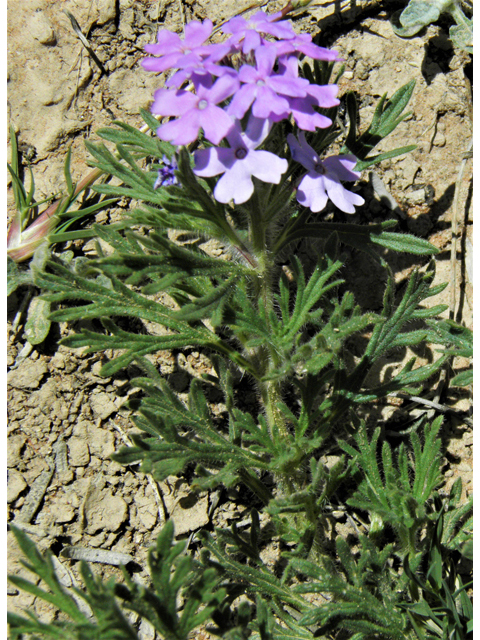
[166,174]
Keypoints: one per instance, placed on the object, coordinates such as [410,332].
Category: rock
[417,196]
[41,29]
[78,452]
[47,93]
[28,375]
[106,11]
[62,511]
[102,405]
[15,485]
[58,361]
[44,397]
[190,513]
[14,447]
[101,442]
[439,140]
[104,511]
[146,508]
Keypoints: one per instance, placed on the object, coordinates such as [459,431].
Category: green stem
[270,390]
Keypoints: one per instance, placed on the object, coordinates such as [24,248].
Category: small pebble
[439,140]
[41,29]
[15,485]
[78,452]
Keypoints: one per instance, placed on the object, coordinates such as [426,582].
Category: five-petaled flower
[240,162]
[264,90]
[323,180]
[173,52]
[195,110]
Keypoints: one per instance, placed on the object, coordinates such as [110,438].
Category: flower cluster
[266,88]
[166,173]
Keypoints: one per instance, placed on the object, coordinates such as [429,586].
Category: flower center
[203,104]
[240,153]
[319,169]
[261,83]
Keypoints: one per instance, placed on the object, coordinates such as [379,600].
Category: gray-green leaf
[15,277]
[38,322]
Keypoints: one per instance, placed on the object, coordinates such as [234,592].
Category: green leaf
[405,243]
[16,277]
[67,173]
[38,322]
[42,566]
[417,15]
[387,116]
[380,157]
[463,379]
[462,35]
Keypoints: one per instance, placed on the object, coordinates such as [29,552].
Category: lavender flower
[166,174]
[302,109]
[205,65]
[174,51]
[240,162]
[323,178]
[302,43]
[265,91]
[195,111]
[249,31]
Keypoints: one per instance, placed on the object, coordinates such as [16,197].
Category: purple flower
[240,162]
[173,49]
[324,95]
[261,88]
[302,109]
[249,30]
[302,43]
[305,115]
[323,178]
[206,65]
[166,174]
[195,110]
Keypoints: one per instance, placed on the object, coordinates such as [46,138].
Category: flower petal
[341,197]
[257,130]
[304,154]
[311,192]
[197,32]
[305,116]
[216,123]
[324,95]
[172,103]
[236,185]
[182,131]
[268,102]
[224,87]
[167,42]
[213,161]
[242,100]
[266,166]
[342,167]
